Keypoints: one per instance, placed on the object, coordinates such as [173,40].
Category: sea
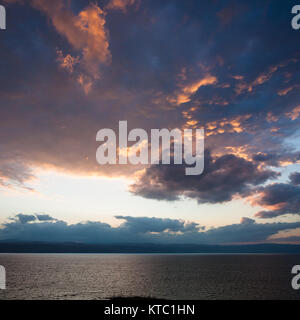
[161,276]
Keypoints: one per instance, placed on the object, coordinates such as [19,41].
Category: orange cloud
[85,32]
[238,77]
[120,4]
[187,91]
[261,78]
[91,23]
[285,91]
[294,114]
[271,117]
[241,87]
[240,152]
[86,83]
[68,62]
[191,124]
[226,125]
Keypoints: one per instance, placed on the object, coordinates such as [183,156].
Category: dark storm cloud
[144,225]
[263,157]
[70,68]
[295,178]
[141,230]
[247,232]
[44,217]
[24,218]
[278,199]
[274,159]
[223,178]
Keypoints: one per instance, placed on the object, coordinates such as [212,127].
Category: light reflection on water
[187,276]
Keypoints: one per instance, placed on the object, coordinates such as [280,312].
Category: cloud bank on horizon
[45,228]
[70,68]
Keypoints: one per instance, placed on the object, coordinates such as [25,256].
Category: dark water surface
[99,276]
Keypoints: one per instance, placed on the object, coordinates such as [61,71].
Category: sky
[72,67]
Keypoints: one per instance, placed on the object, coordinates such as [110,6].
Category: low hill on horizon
[72,247]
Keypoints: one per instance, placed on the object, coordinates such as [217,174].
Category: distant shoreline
[145,248]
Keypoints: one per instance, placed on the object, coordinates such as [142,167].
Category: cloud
[294,114]
[245,220]
[144,225]
[285,91]
[91,24]
[85,32]
[139,230]
[23,218]
[185,93]
[131,65]
[279,199]
[120,4]
[295,178]
[223,178]
[45,217]
[277,159]
[234,125]
[247,232]
[264,77]
[68,62]
[14,173]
